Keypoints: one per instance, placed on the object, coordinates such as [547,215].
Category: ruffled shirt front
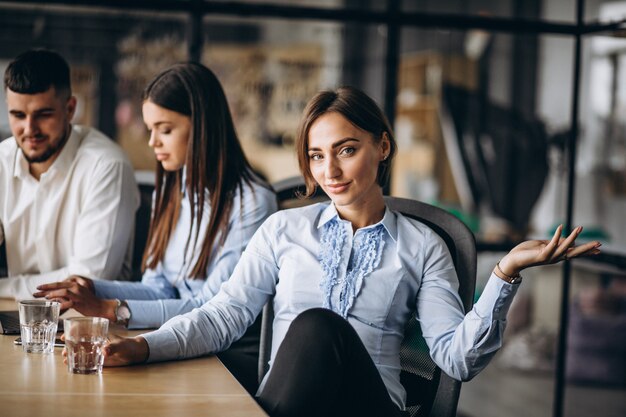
[376,277]
[368,249]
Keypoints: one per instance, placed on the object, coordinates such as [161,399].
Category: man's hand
[120,351]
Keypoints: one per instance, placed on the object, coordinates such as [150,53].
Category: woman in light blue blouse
[207,205]
[346,277]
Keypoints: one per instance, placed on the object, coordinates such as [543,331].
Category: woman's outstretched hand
[544,252]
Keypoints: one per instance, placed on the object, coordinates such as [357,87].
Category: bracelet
[515,279]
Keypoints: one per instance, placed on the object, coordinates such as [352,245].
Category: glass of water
[38,325]
[85,338]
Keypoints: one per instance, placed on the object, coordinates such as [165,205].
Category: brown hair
[360,110]
[215,165]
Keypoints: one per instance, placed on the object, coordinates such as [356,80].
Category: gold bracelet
[515,279]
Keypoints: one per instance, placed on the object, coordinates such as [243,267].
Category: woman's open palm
[544,252]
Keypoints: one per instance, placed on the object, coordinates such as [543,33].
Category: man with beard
[67,192]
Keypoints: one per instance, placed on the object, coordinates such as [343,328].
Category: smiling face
[169,135]
[343,160]
[40,124]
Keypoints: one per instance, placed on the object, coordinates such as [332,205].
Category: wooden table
[40,385]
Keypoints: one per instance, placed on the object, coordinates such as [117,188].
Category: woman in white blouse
[346,277]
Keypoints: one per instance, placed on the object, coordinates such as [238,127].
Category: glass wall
[377,5]
[482,123]
[558,10]
[271,73]
[112,55]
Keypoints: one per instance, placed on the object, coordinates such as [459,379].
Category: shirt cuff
[496,298]
[163,345]
[143,314]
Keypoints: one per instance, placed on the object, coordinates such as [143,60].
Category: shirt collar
[62,163]
[388,221]
[329,213]
[68,153]
[21,164]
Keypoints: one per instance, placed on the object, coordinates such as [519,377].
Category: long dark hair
[360,110]
[215,165]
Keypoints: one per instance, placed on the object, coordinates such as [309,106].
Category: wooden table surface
[40,385]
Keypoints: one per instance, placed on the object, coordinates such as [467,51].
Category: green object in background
[588,233]
[471,221]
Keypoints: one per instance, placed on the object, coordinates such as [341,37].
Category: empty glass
[38,325]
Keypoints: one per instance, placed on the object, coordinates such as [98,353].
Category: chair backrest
[430,392]
[4,269]
[142,225]
[289,190]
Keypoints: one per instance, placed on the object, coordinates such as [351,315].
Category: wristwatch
[122,313]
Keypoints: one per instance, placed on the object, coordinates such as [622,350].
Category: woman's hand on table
[78,293]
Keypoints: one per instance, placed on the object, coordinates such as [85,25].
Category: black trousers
[322,369]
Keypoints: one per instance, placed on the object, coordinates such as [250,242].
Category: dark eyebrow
[338,143]
[162,122]
[38,111]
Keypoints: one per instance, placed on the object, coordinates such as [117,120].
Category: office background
[508,113]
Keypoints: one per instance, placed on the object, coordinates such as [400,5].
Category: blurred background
[510,113]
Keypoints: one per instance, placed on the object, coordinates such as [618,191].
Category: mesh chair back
[429,391]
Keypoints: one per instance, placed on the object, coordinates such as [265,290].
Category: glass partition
[271,71]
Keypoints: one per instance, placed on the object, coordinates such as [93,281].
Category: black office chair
[142,225]
[4,269]
[289,190]
[430,392]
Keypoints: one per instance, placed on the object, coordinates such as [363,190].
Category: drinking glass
[85,338]
[38,325]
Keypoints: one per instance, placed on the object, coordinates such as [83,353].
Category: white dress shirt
[78,219]
[414,274]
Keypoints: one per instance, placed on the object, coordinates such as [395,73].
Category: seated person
[346,277]
[67,192]
[207,205]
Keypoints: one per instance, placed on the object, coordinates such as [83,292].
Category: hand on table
[122,351]
[78,293]
[543,252]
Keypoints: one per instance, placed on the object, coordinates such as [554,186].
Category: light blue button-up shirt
[415,275]
[167,291]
